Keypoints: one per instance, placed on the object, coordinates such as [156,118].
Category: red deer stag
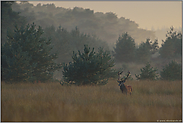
[124,88]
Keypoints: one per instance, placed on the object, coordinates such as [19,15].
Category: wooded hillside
[106,26]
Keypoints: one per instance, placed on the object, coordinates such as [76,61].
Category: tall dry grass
[150,101]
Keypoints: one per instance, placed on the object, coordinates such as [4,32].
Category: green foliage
[154,47]
[147,73]
[61,41]
[26,56]
[113,73]
[172,71]
[172,46]
[125,47]
[8,19]
[15,63]
[88,67]
[145,50]
[65,42]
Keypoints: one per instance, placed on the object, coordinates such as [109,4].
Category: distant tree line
[65,42]
[107,26]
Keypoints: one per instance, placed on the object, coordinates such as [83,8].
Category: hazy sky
[147,14]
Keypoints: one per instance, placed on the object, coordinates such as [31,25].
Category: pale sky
[147,14]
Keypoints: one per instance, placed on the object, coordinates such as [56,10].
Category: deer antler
[120,72]
[121,81]
[127,76]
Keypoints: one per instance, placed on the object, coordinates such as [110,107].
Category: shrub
[147,72]
[88,68]
[172,71]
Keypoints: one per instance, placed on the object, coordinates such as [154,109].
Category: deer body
[124,88]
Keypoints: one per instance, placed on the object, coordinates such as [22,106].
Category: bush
[172,71]
[147,73]
[88,68]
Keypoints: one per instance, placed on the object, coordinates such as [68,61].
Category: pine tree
[143,53]
[145,50]
[26,55]
[172,71]
[15,63]
[88,67]
[147,73]
[172,46]
[125,47]
[65,42]
[154,47]
[8,19]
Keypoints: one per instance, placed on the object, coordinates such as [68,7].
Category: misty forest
[47,50]
[38,40]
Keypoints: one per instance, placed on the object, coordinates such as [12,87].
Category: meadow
[150,101]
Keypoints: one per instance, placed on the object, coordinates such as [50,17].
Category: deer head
[124,88]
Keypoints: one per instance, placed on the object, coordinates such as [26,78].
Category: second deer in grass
[124,88]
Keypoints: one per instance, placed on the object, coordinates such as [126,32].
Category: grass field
[150,101]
